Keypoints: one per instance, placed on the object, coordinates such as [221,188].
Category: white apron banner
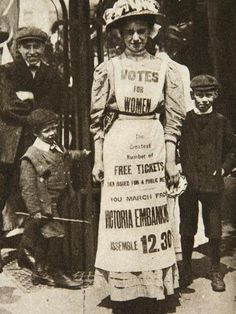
[134,228]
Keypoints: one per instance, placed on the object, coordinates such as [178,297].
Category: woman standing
[135,159]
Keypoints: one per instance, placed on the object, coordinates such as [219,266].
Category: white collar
[38,143]
[37,64]
[198,112]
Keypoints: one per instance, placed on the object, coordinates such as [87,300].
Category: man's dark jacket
[207,144]
[48,92]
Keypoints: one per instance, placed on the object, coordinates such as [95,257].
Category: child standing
[45,180]
[207,153]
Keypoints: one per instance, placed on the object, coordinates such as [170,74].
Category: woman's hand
[172,171]
[98,172]
[172,174]
[98,168]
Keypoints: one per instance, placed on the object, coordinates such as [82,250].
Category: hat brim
[175,37]
[205,88]
[43,124]
[27,38]
[158,17]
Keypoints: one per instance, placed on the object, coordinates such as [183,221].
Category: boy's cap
[41,118]
[204,82]
[31,33]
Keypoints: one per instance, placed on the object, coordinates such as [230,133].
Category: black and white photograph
[117,157]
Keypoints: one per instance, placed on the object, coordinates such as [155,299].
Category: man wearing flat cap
[27,83]
[29,73]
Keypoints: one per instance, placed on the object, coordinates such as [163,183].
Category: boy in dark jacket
[207,154]
[45,180]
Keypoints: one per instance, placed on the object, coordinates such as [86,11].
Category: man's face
[49,133]
[135,34]
[204,99]
[32,51]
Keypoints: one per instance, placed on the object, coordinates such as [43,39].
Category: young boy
[45,181]
[207,154]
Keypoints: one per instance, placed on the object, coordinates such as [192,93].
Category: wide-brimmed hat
[128,8]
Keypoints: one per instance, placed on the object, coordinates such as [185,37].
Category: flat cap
[204,82]
[41,118]
[27,33]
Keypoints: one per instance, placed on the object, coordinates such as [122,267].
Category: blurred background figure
[5,38]
[56,40]
[169,42]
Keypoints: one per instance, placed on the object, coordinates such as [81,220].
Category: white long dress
[135,255]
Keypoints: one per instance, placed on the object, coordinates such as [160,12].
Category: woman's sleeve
[99,98]
[175,108]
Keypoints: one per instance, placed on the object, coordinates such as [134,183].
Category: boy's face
[49,133]
[204,99]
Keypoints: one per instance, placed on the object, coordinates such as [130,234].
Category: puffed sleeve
[175,108]
[187,90]
[99,99]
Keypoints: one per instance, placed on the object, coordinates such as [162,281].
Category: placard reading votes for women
[134,219]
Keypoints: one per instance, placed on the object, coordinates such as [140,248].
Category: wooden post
[212,14]
[66,70]
[99,31]
[222,30]
[83,247]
